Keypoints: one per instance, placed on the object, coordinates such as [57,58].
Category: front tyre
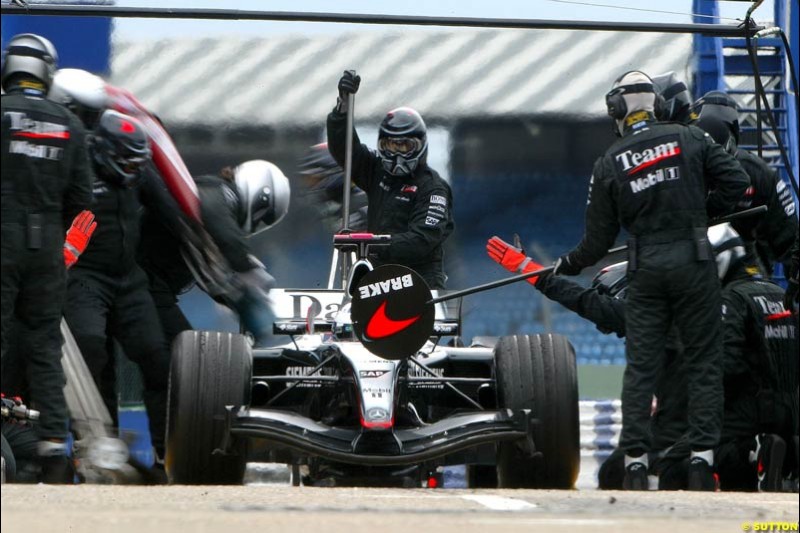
[538,372]
[209,370]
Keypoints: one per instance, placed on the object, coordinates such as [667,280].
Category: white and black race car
[366,392]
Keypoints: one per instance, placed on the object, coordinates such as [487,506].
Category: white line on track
[550,521]
[499,503]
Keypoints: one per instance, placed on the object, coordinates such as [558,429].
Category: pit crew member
[46,182]
[234,205]
[407,198]
[107,294]
[661,182]
[769,238]
[760,423]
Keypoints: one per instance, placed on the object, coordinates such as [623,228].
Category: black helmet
[402,141]
[718,115]
[612,280]
[677,100]
[31,55]
[120,147]
[321,172]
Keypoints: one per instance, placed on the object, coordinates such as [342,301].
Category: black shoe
[635,477]
[56,470]
[770,452]
[701,475]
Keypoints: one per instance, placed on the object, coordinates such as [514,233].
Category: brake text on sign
[382,287]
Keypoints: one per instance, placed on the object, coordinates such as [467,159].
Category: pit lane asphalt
[212,509]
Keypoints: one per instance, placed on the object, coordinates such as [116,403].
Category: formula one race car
[365,392]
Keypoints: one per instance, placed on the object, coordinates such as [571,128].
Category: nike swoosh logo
[380,325]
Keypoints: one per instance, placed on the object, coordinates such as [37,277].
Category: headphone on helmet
[615,102]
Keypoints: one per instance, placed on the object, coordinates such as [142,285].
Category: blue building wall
[81,42]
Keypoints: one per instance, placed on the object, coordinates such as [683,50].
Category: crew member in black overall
[662,182]
[604,304]
[46,182]
[107,294]
[769,237]
[234,205]
[407,199]
[760,424]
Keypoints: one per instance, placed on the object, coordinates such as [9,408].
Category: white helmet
[633,91]
[264,192]
[82,92]
[728,247]
[30,54]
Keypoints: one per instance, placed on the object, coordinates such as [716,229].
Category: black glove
[348,84]
[790,297]
[565,267]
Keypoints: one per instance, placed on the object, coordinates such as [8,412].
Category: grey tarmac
[213,509]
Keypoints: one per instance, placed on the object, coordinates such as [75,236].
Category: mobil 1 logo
[651,163]
[390,311]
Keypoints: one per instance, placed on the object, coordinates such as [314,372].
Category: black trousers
[172,319]
[100,307]
[33,284]
[670,287]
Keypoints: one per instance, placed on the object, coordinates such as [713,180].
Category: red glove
[512,258]
[78,237]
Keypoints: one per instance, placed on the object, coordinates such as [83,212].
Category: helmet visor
[262,208]
[130,164]
[400,145]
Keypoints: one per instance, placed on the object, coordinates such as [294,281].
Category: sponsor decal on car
[369,374]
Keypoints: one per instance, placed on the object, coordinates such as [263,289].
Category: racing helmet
[264,192]
[81,92]
[728,248]
[718,115]
[633,91]
[402,141]
[119,147]
[677,100]
[32,55]
[612,280]
[321,172]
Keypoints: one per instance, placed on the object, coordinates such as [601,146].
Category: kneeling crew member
[761,374]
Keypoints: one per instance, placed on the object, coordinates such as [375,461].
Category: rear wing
[299,311]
